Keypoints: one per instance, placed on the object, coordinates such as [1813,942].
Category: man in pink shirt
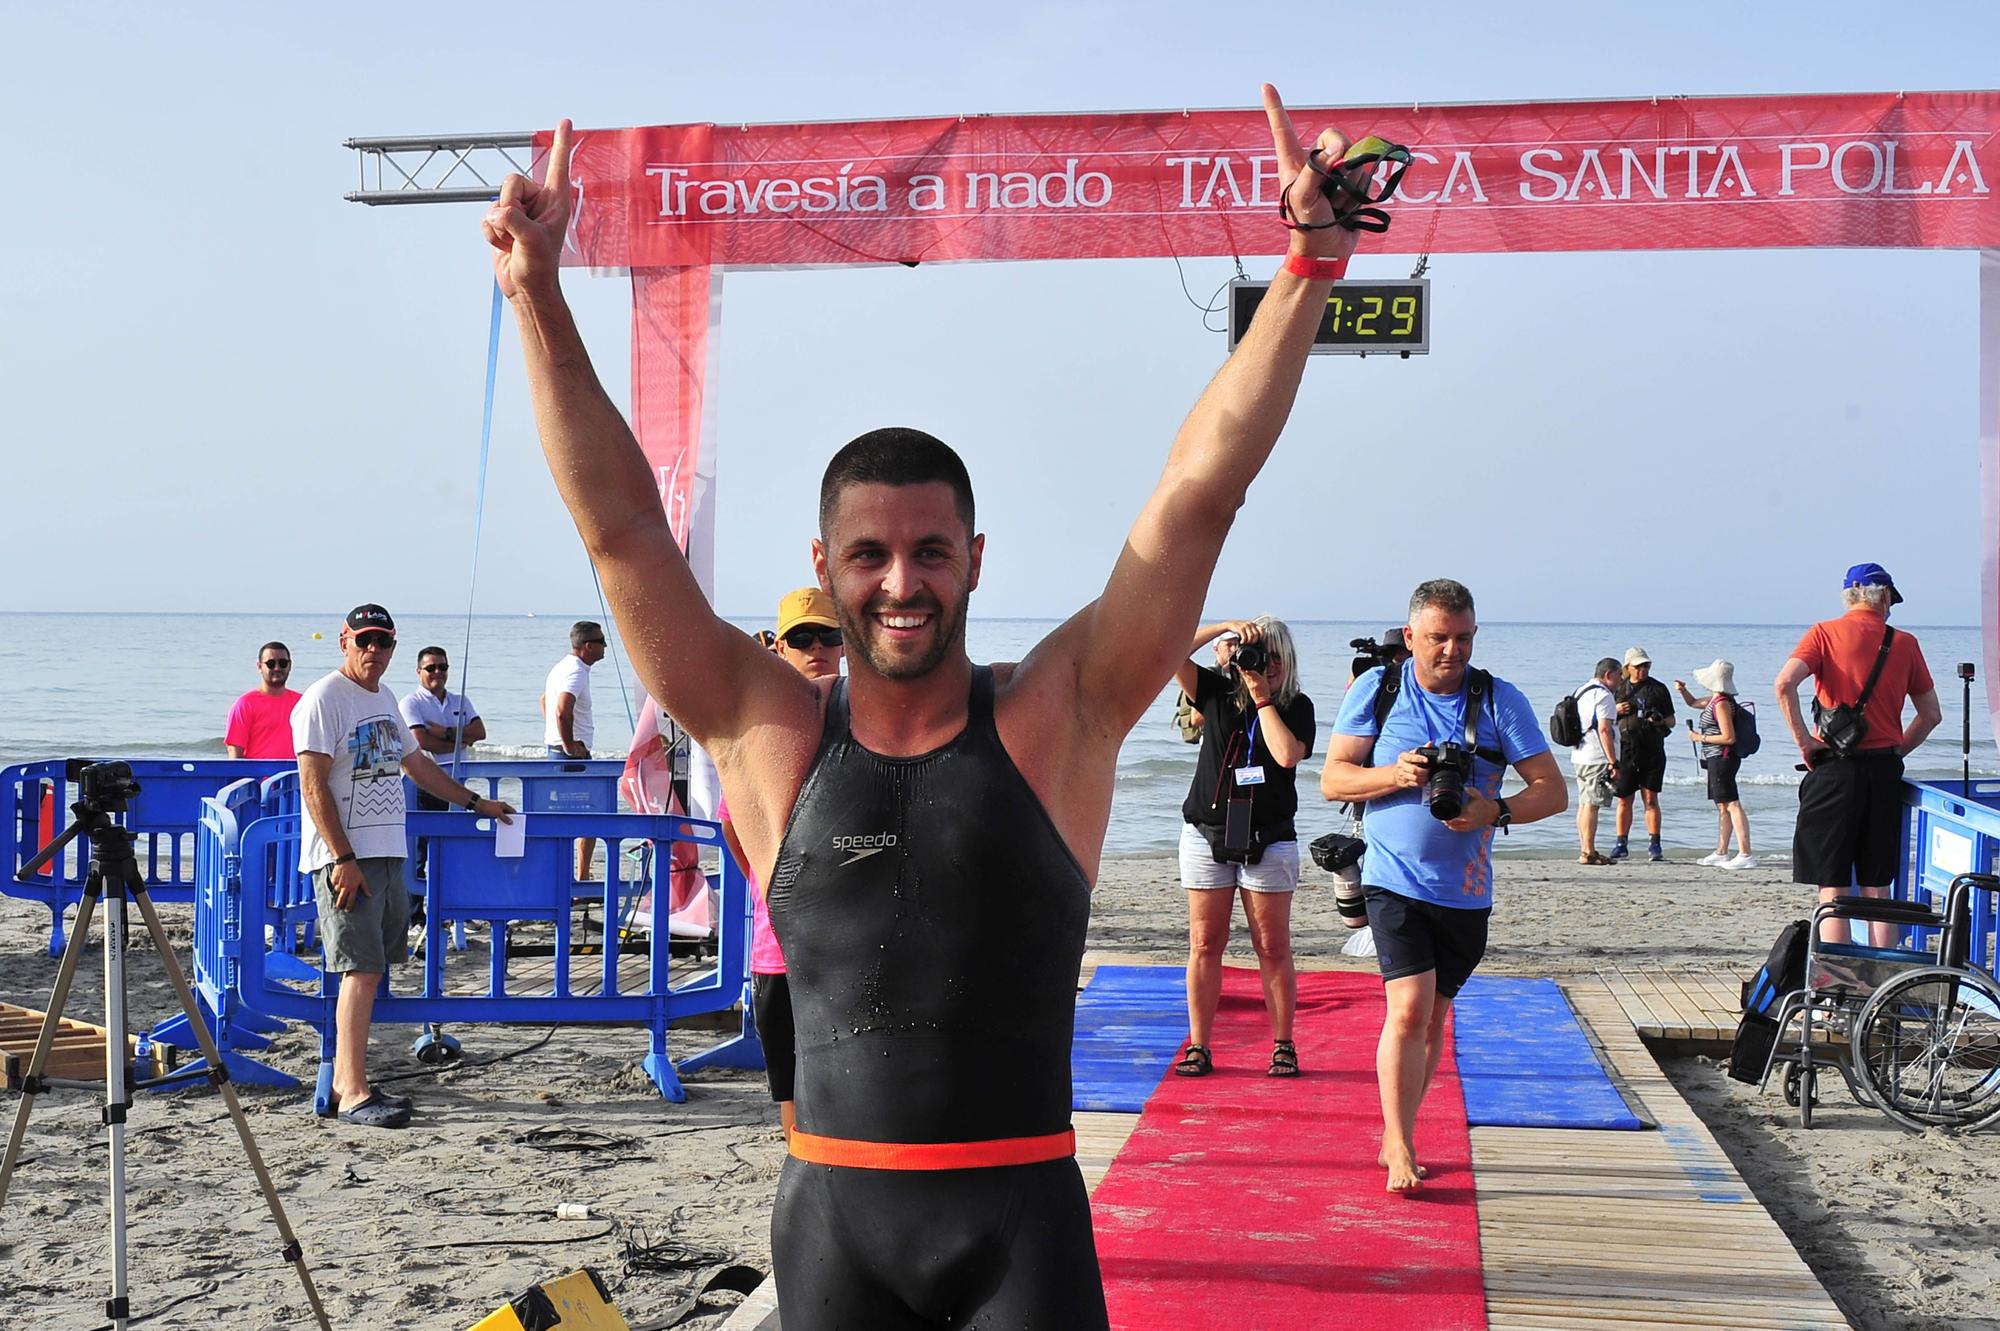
[260,724]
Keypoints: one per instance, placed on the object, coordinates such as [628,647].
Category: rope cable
[478,513]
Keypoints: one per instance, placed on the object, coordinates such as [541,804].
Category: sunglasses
[801,639]
[366,641]
[593,642]
[438,669]
[278,665]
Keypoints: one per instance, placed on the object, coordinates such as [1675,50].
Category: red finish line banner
[1875,170]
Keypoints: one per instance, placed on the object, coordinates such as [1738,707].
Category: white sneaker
[1741,862]
[1714,860]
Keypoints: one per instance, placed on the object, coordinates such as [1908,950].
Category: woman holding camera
[1714,734]
[1256,729]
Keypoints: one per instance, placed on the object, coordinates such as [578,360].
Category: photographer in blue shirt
[1425,751]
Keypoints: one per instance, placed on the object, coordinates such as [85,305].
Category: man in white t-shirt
[1596,759]
[354,751]
[566,724]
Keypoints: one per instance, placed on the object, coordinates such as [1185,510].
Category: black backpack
[1783,972]
[1748,741]
[1566,721]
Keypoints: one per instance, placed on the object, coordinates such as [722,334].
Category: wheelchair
[1920,1029]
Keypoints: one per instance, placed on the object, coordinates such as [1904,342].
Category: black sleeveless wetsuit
[933,922]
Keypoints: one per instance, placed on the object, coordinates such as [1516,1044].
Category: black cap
[370,618]
[1393,639]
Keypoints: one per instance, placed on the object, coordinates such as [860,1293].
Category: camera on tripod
[102,786]
[1444,788]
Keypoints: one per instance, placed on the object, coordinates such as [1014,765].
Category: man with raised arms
[929,829]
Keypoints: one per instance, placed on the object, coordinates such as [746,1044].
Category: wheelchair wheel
[1802,1092]
[1927,1049]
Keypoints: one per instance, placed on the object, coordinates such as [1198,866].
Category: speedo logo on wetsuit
[861,847]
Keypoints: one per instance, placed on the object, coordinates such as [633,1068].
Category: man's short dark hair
[1607,665]
[1447,595]
[895,455]
[269,645]
[431,651]
[584,631]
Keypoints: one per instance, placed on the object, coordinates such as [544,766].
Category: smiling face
[900,565]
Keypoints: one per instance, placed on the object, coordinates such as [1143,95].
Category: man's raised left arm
[1124,646]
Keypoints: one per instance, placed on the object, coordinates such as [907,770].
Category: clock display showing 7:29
[1361,316]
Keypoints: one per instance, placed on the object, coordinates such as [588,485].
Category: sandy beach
[435,1226]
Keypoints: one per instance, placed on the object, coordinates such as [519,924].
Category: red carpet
[1244,1201]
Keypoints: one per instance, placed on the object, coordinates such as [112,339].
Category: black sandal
[1284,1059]
[1196,1062]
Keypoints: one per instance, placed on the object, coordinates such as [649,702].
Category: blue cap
[1872,575]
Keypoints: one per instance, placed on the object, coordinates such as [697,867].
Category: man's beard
[862,637]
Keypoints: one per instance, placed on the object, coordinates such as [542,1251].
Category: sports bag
[1783,972]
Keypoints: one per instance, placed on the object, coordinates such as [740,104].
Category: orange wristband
[1316,269]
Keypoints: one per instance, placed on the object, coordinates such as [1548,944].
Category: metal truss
[442,168]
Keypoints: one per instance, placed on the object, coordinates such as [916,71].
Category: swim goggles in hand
[1345,185]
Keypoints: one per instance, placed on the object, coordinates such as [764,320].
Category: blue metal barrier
[243,981]
[1948,830]
[165,814]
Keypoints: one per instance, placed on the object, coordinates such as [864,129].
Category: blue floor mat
[1130,1022]
[1525,1063]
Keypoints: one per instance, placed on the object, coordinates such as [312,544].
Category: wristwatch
[1503,817]
[472,804]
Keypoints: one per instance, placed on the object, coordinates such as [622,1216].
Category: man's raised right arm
[701,669]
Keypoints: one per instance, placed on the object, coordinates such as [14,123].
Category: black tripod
[104,789]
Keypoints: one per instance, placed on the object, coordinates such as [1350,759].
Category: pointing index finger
[559,152]
[1285,139]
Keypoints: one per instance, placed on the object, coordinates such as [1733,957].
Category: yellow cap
[807,605]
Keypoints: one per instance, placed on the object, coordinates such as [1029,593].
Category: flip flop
[376,1112]
[1596,860]
[402,1102]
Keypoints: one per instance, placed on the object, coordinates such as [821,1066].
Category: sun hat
[1872,575]
[1637,656]
[1719,676]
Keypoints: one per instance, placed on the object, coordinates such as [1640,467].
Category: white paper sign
[510,840]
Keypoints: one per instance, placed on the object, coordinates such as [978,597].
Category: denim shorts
[1276,871]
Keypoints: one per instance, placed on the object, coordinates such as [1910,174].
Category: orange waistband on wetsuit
[932,1155]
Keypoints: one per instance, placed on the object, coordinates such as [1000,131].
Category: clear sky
[227,388]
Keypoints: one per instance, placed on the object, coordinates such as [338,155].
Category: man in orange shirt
[1849,834]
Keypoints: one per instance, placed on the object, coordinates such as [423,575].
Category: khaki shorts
[1593,784]
[375,932]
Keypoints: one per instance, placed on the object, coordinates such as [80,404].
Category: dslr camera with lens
[1340,855]
[1444,788]
[1252,656]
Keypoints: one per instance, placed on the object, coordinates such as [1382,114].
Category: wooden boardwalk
[1632,1231]
[1690,1005]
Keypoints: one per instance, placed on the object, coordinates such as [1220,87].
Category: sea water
[161,686]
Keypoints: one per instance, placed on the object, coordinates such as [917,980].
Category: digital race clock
[1361,316]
